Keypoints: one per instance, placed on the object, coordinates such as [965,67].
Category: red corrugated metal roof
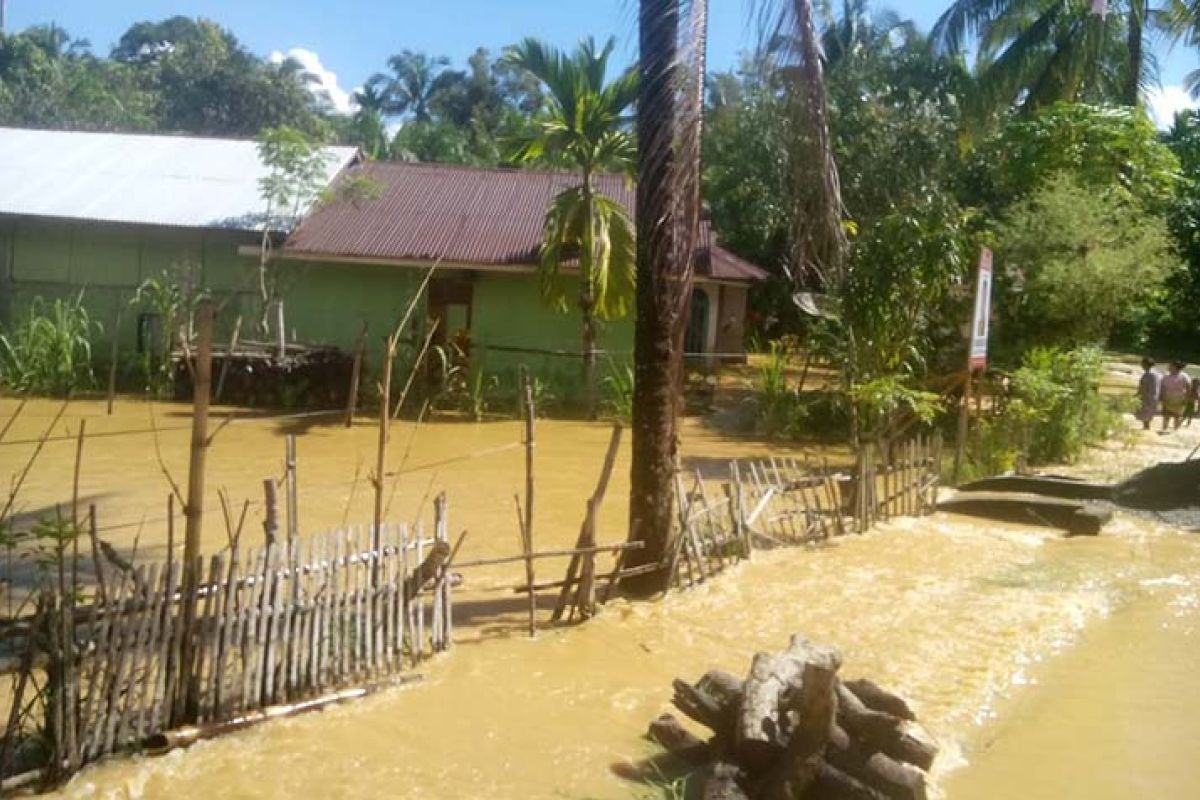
[464,215]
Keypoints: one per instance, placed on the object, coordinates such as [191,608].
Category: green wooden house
[100,213]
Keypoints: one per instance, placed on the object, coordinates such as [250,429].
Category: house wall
[731,321]
[59,259]
[509,313]
[325,303]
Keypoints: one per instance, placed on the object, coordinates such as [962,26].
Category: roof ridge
[490,169]
[169,135]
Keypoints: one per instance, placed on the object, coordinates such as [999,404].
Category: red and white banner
[980,319]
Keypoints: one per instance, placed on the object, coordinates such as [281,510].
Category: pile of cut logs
[793,730]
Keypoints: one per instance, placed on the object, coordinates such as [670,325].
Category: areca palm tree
[584,126]
[1036,52]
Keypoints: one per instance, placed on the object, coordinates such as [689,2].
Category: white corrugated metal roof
[181,181]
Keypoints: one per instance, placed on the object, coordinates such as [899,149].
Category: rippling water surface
[1047,667]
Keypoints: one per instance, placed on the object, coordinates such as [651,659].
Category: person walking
[1148,390]
[1192,402]
[1175,388]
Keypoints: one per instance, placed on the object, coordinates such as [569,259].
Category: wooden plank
[420,596]
[160,704]
[262,597]
[225,625]
[145,663]
[358,571]
[341,617]
[119,652]
[405,605]
[242,636]
[100,632]
[208,630]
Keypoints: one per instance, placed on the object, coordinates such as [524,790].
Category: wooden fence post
[194,510]
[113,354]
[293,500]
[271,511]
[360,352]
[233,343]
[530,416]
[281,332]
[385,394]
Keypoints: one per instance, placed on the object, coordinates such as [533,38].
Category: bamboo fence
[276,624]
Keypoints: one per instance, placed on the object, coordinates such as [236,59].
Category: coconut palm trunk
[1135,33]
[655,440]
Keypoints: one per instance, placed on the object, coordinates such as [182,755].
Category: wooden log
[833,784]
[809,709]
[721,782]
[911,744]
[873,726]
[757,735]
[760,735]
[878,699]
[668,732]
[892,779]
[699,706]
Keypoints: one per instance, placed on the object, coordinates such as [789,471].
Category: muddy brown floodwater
[1047,667]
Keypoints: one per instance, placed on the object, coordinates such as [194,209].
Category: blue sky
[348,40]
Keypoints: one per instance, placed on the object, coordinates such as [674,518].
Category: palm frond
[962,20]
[818,237]
[549,65]
[615,265]
[562,231]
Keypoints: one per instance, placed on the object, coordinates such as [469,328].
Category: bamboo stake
[527,524]
[194,507]
[293,499]
[586,540]
[270,511]
[360,353]
[112,359]
[233,343]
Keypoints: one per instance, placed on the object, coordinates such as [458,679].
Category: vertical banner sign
[983,311]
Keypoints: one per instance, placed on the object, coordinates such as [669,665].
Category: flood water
[1047,667]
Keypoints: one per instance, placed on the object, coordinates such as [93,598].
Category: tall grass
[50,351]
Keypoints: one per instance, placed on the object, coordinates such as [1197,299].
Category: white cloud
[1165,101]
[322,82]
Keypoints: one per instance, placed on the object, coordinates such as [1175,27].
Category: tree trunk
[587,296]
[655,360]
[1137,17]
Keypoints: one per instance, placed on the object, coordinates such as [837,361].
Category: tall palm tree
[858,30]
[1036,52]
[584,125]
[671,42]
[367,125]
[415,81]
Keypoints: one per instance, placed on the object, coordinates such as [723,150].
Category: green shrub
[49,352]
[618,390]
[163,299]
[1055,411]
